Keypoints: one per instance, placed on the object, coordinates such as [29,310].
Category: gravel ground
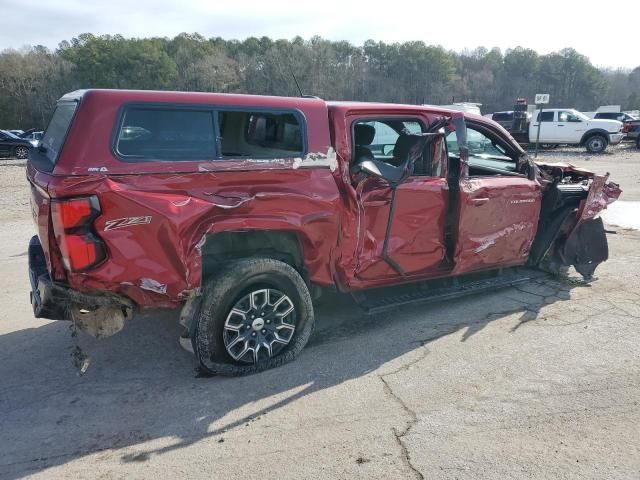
[540,381]
[14,191]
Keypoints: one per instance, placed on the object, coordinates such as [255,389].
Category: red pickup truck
[240,209]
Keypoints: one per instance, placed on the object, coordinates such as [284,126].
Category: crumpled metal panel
[416,241]
[601,194]
[498,222]
[154,225]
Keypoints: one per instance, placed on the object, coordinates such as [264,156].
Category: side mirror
[387,150]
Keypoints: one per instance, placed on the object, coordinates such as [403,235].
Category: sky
[605,34]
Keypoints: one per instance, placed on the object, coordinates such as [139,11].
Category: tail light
[72,221]
[626,127]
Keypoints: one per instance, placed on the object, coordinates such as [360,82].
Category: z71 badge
[126,222]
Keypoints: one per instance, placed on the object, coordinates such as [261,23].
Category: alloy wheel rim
[259,325]
[596,144]
[21,152]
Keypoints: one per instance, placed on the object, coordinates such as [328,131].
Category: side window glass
[567,117]
[248,134]
[480,145]
[486,156]
[389,141]
[149,133]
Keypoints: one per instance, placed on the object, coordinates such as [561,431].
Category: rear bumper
[57,301]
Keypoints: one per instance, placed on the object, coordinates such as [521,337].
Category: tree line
[33,78]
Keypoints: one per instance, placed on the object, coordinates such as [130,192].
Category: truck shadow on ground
[141,386]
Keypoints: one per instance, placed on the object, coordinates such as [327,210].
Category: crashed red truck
[240,209]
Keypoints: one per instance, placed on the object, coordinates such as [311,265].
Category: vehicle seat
[404,145]
[363,135]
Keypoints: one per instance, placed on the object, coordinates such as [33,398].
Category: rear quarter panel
[156,260]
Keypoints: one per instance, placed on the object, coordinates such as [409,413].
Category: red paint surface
[498,222]
[340,225]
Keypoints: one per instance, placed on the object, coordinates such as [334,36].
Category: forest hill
[32,79]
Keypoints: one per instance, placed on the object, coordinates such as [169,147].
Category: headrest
[363,134]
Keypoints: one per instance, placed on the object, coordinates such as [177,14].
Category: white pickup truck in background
[566,126]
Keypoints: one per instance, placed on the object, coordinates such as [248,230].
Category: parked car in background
[33,137]
[241,208]
[619,116]
[566,126]
[13,146]
[630,124]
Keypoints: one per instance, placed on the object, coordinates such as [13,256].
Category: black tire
[223,292]
[596,143]
[21,152]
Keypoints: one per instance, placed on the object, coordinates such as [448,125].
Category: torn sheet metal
[153,285]
[601,194]
[315,160]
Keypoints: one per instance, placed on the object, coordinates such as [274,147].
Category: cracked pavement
[541,380]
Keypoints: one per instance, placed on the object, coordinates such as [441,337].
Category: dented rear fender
[154,226]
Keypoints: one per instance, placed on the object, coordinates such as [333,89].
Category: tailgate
[41,212]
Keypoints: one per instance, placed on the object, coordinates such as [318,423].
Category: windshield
[56,132]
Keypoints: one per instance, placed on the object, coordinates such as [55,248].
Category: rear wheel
[597,143]
[256,314]
[21,152]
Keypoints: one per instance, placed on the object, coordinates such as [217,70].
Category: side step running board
[381,299]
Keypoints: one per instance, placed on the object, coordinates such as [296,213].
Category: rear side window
[149,133]
[247,134]
[57,130]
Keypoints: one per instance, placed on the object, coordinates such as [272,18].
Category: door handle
[560,125]
[479,201]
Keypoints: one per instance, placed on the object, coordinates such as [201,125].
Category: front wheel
[22,152]
[256,314]
[597,144]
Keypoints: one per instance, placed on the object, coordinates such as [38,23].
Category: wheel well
[223,247]
[591,133]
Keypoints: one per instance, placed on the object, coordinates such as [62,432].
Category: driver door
[416,236]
